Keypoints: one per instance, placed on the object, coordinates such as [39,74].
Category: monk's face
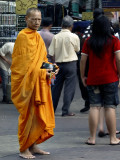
[33,20]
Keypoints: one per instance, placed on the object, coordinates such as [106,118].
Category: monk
[30,90]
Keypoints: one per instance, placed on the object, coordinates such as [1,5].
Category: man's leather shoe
[4,100]
[69,114]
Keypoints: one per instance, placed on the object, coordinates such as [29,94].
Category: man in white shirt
[63,47]
[5,63]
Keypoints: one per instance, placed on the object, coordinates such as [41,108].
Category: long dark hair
[101,34]
[97,12]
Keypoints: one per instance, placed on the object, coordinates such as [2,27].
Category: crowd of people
[96,59]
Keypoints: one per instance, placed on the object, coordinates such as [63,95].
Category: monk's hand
[56,71]
[48,72]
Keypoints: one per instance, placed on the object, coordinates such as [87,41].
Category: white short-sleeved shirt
[64,46]
[6,51]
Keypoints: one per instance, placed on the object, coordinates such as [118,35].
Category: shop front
[12,13]
[112,11]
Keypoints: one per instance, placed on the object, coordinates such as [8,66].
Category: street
[68,143]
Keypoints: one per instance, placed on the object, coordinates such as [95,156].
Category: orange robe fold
[31,93]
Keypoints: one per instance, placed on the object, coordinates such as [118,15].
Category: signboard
[87,15]
[111,9]
[62,2]
[23,5]
[111,3]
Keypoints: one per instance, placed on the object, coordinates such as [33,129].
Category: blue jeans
[4,77]
[104,95]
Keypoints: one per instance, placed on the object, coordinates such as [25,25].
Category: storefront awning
[110,3]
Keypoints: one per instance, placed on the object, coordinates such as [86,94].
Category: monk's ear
[26,18]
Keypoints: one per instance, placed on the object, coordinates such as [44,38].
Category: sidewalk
[68,143]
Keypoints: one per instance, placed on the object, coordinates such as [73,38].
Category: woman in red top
[103,50]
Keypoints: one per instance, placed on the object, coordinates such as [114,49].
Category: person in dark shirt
[45,33]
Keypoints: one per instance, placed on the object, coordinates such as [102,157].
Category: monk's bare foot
[26,154]
[35,149]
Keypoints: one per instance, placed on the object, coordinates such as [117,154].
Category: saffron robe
[30,91]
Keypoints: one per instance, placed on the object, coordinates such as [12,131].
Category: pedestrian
[31,93]
[5,63]
[63,47]
[101,133]
[116,29]
[103,51]
[97,12]
[45,33]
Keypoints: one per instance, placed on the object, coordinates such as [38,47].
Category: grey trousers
[67,78]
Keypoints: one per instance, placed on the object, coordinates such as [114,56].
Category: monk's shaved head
[30,10]
[33,18]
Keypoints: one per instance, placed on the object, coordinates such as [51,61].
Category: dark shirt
[47,37]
